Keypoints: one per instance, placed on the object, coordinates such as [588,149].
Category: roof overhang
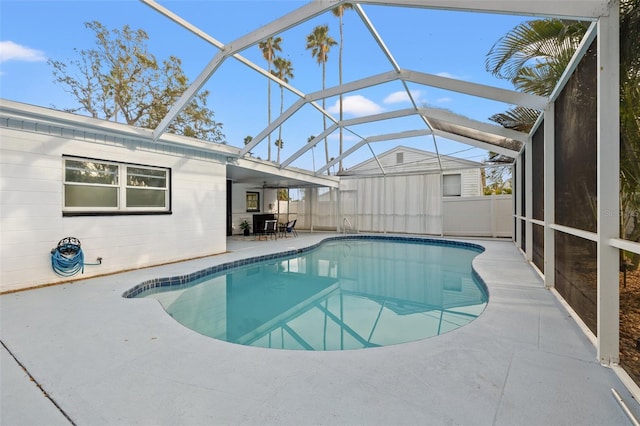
[249,170]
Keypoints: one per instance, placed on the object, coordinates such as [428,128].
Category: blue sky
[437,42]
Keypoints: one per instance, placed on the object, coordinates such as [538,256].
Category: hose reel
[67,258]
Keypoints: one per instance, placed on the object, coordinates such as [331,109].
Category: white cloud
[449,75]
[402,96]
[444,100]
[356,105]
[346,137]
[10,51]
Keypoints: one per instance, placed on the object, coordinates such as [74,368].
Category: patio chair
[270,229]
[291,228]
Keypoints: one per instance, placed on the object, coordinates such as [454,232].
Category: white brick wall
[31,208]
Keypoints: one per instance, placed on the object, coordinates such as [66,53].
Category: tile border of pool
[181,280]
[104,361]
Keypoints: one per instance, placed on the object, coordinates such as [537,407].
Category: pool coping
[185,279]
[105,359]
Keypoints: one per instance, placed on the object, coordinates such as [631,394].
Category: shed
[460,177]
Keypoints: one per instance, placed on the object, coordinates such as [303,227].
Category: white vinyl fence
[411,204]
[487,216]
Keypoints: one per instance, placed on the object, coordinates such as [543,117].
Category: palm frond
[519,118]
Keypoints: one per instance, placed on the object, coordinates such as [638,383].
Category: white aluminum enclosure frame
[604,15]
[316,8]
[607,235]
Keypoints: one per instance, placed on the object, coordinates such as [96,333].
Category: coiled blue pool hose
[67,265]
[67,259]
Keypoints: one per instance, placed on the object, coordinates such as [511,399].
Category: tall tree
[313,155]
[320,43]
[630,119]
[338,12]
[533,57]
[269,47]
[120,80]
[279,143]
[284,71]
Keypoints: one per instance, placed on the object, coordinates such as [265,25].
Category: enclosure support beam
[518,198]
[608,184]
[528,196]
[549,197]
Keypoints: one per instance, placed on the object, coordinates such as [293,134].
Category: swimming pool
[343,293]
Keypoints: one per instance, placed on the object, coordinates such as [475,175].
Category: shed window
[399,157]
[105,187]
[452,185]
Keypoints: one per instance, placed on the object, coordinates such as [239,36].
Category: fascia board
[567,9]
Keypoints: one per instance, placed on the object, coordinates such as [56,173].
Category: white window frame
[122,187]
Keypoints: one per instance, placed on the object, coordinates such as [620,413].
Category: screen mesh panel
[576,275]
[575,147]
[537,173]
[523,201]
[538,246]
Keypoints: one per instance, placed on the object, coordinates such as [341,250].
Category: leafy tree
[338,12]
[247,140]
[269,47]
[497,174]
[630,120]
[283,194]
[320,43]
[120,80]
[284,71]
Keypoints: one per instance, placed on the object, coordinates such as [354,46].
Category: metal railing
[344,228]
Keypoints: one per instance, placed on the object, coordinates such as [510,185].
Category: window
[451,185]
[399,157]
[253,201]
[105,187]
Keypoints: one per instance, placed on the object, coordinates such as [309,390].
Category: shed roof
[412,160]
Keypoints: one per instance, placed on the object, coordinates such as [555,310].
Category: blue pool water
[343,294]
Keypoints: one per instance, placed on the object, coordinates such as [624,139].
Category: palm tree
[533,57]
[280,144]
[519,118]
[284,71]
[313,156]
[338,12]
[269,48]
[320,43]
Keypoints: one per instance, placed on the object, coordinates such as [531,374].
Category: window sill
[119,213]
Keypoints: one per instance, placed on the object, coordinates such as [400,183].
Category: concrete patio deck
[101,359]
